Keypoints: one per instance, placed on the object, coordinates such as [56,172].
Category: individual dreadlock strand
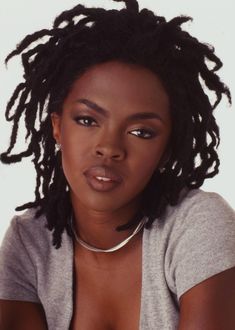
[11,159]
[132,5]
[27,41]
[16,117]
[30,117]
[13,135]
[21,87]
[176,22]
[60,212]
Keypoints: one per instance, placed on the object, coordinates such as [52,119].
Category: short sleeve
[17,272]
[202,243]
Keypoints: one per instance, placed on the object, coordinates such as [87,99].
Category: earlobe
[55,121]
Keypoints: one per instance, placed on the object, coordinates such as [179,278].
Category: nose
[110,149]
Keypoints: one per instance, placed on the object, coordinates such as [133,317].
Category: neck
[114,248]
[98,228]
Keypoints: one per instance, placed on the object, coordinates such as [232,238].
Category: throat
[98,228]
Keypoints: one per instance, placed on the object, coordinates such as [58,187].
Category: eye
[143,133]
[85,121]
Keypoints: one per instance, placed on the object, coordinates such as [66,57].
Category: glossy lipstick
[102,178]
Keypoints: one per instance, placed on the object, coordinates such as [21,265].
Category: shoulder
[28,222]
[201,221]
[26,238]
[199,199]
[198,208]
[203,263]
[196,211]
[199,239]
[23,249]
[30,230]
[30,265]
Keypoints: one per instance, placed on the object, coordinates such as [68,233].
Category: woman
[122,135]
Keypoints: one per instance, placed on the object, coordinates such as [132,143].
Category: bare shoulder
[20,315]
[210,305]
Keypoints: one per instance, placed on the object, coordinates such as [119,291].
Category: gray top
[195,241]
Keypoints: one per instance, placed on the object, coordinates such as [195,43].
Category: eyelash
[78,119]
[143,131]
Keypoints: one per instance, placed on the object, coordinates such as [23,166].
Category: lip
[108,173]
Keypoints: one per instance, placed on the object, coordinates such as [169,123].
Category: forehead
[120,84]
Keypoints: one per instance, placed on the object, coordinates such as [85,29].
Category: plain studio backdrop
[213,23]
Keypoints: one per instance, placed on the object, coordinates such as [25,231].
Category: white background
[213,23]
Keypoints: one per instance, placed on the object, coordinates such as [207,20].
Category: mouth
[102,178]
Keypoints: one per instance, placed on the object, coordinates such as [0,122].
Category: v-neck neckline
[73,275]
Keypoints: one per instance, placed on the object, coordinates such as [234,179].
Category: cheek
[144,169]
[149,157]
[73,156]
[144,174]
[73,160]
[74,143]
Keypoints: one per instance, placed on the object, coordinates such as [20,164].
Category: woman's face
[114,132]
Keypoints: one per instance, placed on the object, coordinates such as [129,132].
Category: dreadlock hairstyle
[83,37]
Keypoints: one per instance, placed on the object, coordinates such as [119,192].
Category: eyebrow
[135,116]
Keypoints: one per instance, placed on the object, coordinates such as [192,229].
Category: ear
[56,123]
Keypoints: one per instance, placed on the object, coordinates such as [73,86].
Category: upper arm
[20,315]
[210,305]
[18,275]
[202,243]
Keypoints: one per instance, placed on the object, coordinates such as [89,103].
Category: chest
[107,298]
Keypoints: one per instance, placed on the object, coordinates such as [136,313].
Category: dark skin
[108,286]
[20,315]
[109,291]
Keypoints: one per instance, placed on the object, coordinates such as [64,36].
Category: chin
[103,205]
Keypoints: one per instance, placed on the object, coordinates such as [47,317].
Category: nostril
[99,153]
[116,156]
[109,152]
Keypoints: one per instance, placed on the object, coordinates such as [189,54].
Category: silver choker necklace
[116,247]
